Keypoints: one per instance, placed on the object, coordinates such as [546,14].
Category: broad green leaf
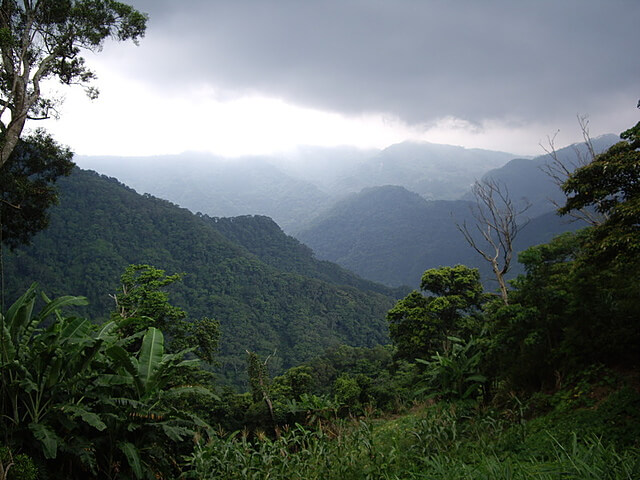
[7,349]
[87,416]
[133,457]
[124,360]
[151,354]
[89,355]
[27,297]
[107,330]
[60,302]
[52,372]
[77,328]
[176,433]
[109,380]
[47,437]
[22,324]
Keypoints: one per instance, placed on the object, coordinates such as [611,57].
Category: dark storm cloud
[537,60]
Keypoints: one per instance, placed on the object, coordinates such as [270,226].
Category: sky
[240,77]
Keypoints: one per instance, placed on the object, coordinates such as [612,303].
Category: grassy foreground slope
[585,431]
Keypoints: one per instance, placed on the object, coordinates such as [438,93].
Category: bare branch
[559,169]
[497,223]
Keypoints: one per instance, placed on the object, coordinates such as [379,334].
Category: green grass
[441,441]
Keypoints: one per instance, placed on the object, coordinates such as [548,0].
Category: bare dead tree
[559,169]
[496,227]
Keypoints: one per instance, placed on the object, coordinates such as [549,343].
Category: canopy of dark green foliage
[565,313]
[264,238]
[142,297]
[419,325]
[101,227]
[144,302]
[611,185]
[27,186]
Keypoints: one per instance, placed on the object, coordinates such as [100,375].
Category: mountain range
[391,235]
[296,187]
[386,215]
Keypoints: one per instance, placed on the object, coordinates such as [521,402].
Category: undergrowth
[456,440]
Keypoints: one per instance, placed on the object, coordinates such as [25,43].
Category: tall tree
[420,324]
[497,225]
[43,39]
[27,186]
[611,185]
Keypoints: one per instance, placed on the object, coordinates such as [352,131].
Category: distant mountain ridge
[216,186]
[527,180]
[391,235]
[372,212]
[296,187]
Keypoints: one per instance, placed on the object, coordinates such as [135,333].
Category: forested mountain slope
[390,235]
[265,239]
[101,226]
[216,186]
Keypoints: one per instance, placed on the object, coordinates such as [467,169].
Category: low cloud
[422,61]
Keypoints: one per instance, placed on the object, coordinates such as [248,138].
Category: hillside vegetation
[283,301]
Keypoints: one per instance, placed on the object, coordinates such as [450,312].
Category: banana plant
[40,366]
[151,372]
[146,401]
[454,373]
[73,396]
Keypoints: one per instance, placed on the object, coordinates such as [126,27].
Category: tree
[27,186]
[419,325]
[259,381]
[144,303]
[611,185]
[567,312]
[559,169]
[43,39]
[497,220]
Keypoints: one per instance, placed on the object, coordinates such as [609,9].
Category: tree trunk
[10,138]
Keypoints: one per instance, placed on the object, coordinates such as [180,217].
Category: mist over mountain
[527,181]
[216,186]
[386,215]
[391,235]
[434,171]
[295,187]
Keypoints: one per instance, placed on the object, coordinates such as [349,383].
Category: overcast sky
[257,76]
